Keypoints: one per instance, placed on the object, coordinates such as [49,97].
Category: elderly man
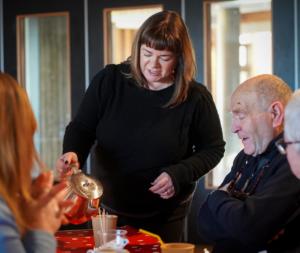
[260,194]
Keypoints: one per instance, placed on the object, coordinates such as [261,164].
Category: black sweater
[247,225]
[138,139]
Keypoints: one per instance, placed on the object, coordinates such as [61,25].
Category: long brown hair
[17,152]
[163,30]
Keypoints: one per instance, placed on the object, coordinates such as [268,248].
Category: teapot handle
[74,168]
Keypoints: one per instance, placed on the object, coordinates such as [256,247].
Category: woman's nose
[154,62]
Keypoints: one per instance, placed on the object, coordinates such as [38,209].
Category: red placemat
[80,241]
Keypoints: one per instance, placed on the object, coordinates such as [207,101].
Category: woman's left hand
[163,186]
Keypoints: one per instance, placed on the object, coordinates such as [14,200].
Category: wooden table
[80,241]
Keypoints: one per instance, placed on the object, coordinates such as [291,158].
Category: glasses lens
[281,145]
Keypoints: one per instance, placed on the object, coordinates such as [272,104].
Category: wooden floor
[200,248]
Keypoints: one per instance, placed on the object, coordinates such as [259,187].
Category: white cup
[98,250]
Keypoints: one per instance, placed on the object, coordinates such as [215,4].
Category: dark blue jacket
[251,223]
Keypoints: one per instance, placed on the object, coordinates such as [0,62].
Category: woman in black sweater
[157,130]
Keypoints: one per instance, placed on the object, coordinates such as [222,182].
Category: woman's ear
[276,110]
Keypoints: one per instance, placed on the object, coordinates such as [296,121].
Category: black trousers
[169,224]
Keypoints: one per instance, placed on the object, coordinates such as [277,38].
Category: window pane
[44,69]
[121,28]
[240,47]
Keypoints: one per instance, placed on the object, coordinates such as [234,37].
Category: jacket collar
[271,145]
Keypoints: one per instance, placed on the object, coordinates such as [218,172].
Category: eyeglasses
[242,194]
[282,145]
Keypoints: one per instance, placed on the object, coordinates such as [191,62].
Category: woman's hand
[163,186]
[45,210]
[63,163]
[281,232]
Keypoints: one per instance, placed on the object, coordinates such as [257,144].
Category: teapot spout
[93,208]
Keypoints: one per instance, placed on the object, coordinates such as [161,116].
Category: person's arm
[34,241]
[43,214]
[258,219]
[207,225]
[39,241]
[206,135]
[80,134]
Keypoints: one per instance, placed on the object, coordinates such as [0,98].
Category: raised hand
[45,210]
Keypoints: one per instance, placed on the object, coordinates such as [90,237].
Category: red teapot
[86,191]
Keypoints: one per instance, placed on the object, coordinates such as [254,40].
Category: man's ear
[276,110]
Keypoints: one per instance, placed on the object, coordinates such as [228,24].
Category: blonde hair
[17,152]
[163,30]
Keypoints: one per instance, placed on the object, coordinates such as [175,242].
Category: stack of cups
[109,223]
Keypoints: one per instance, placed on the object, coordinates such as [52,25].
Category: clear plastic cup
[112,239]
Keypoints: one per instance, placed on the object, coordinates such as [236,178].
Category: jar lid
[86,185]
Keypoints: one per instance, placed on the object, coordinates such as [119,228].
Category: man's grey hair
[292,119]
[269,89]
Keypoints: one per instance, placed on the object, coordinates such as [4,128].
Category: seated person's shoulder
[6,216]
